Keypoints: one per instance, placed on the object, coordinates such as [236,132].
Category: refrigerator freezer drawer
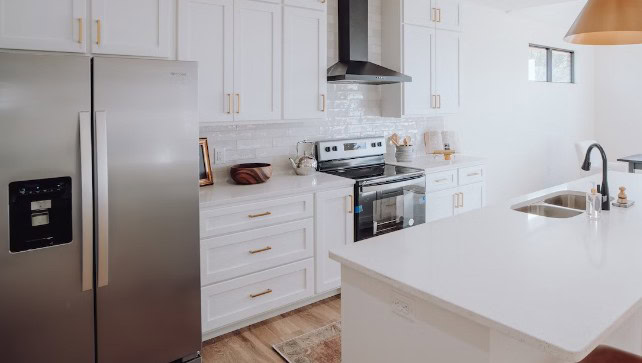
[217,221]
[233,255]
[234,300]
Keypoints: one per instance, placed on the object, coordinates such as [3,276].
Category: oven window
[389,210]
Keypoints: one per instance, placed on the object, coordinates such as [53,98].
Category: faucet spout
[586,165]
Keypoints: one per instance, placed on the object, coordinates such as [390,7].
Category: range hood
[353,65]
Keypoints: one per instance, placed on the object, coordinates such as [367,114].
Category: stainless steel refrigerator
[99,244]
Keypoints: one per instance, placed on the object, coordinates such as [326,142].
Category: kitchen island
[498,286]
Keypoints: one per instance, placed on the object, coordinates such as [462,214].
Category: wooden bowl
[254,173]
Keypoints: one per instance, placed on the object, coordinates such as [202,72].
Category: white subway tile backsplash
[352,111]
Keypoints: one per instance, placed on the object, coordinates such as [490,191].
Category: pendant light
[608,22]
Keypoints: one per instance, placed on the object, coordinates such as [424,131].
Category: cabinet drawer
[470,175]
[234,255]
[231,301]
[441,180]
[223,220]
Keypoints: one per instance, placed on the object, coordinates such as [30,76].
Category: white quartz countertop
[432,163]
[561,285]
[282,184]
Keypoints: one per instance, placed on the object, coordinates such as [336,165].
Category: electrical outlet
[402,305]
[219,156]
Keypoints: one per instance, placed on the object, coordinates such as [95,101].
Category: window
[546,64]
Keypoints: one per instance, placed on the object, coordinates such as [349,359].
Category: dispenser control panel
[39,213]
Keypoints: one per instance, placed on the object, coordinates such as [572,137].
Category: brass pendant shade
[608,22]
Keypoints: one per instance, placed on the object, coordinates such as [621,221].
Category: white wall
[618,97]
[527,130]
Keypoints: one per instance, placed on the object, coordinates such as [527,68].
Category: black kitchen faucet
[606,202]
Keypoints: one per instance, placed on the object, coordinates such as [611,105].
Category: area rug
[318,346]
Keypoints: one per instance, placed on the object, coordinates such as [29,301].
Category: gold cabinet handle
[229,103]
[323,103]
[79,30]
[456,200]
[433,101]
[462,200]
[442,180]
[259,215]
[434,15]
[238,103]
[268,291]
[439,15]
[264,249]
[98,31]
[438,97]
[351,206]
[473,174]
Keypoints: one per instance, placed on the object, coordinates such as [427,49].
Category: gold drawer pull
[98,31]
[441,180]
[268,291]
[259,215]
[79,30]
[261,250]
[473,174]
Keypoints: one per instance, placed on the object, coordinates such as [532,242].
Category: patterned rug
[318,346]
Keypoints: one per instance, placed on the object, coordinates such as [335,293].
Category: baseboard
[267,315]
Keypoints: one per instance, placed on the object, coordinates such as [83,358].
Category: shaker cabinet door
[123,27]
[304,63]
[334,213]
[440,205]
[257,60]
[471,198]
[447,71]
[418,50]
[53,25]
[205,35]
[448,14]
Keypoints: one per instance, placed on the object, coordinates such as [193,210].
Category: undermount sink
[564,204]
[549,211]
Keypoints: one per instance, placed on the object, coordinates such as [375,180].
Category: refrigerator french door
[99,254]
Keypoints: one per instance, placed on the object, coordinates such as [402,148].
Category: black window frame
[549,62]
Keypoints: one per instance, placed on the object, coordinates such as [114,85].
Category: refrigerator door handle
[102,198]
[87,201]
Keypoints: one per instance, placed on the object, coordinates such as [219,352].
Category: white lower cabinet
[334,214]
[237,299]
[453,192]
[268,255]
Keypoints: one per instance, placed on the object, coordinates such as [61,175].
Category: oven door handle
[397,184]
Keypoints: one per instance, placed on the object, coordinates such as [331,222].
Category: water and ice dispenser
[39,213]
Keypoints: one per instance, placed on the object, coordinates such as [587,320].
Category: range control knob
[327,149]
[334,148]
[374,144]
[379,144]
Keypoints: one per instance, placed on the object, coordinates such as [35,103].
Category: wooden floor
[254,343]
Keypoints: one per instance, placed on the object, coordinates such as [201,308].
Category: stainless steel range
[387,197]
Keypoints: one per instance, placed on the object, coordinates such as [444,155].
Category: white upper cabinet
[257,60]
[418,46]
[447,14]
[447,71]
[310,4]
[334,221]
[418,12]
[205,34]
[125,27]
[427,35]
[441,14]
[53,25]
[304,63]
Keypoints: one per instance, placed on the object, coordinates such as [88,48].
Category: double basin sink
[563,204]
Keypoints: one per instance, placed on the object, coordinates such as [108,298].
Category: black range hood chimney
[353,65]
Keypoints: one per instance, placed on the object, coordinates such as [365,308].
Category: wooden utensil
[394,138]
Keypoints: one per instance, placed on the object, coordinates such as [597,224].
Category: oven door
[388,207]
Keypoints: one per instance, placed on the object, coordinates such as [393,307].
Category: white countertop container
[561,285]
